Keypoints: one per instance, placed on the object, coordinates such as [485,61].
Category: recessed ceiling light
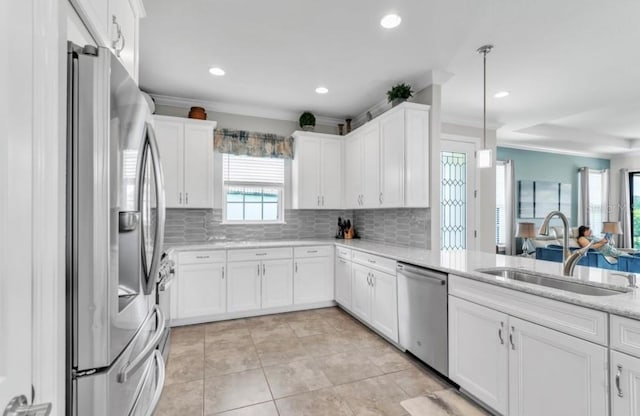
[322,90]
[390,21]
[501,94]
[216,71]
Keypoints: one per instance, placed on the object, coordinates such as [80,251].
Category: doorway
[634,188]
[457,195]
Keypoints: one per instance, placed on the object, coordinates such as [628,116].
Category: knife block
[348,234]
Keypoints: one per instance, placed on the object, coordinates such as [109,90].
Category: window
[253,189]
[595,201]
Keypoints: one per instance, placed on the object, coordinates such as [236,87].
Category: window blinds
[247,169]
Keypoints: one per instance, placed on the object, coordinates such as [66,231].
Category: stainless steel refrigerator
[115,227]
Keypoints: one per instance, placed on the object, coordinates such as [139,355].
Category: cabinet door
[243,286]
[277,283]
[343,282]
[478,339]
[371,166]
[384,307]
[331,174]
[306,173]
[417,179]
[392,160]
[313,280]
[361,291]
[126,38]
[170,137]
[202,290]
[625,384]
[551,373]
[198,166]
[353,171]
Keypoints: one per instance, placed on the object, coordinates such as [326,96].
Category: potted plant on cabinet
[307,121]
[399,93]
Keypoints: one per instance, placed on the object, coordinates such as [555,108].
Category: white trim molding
[240,109]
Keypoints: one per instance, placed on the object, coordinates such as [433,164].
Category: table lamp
[527,230]
[609,228]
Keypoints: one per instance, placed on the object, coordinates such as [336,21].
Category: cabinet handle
[180,198]
[296,267]
[223,273]
[500,333]
[373,280]
[261,254]
[371,261]
[114,44]
[186,198]
[258,270]
[322,200]
[618,374]
[312,251]
[513,346]
[368,281]
[380,197]
[318,200]
[342,261]
[264,269]
[202,257]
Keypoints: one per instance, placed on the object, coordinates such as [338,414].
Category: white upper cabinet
[186,154]
[114,24]
[316,171]
[387,160]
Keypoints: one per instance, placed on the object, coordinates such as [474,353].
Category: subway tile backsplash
[407,227]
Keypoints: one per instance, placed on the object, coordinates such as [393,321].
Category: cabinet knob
[222,273]
[180,198]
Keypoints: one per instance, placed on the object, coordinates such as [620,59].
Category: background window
[501,203]
[253,189]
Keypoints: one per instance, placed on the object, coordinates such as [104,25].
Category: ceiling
[572,66]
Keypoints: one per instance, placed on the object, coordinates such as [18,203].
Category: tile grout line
[273,399]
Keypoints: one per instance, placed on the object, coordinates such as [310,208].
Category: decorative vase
[197,113]
[340,127]
[397,101]
[348,120]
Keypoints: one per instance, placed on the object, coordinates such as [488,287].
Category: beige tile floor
[317,362]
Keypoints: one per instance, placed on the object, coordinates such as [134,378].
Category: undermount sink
[549,281]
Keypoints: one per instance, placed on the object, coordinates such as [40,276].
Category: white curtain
[510,207]
[583,196]
[624,210]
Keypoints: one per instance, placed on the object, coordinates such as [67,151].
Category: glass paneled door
[457,186]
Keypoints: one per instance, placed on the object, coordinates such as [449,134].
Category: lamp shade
[526,230]
[611,227]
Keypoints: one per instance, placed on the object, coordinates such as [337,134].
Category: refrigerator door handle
[134,364]
[158,363]
[149,280]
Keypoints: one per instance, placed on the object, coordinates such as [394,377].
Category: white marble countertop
[465,263]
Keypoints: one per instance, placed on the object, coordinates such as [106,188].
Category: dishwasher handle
[421,274]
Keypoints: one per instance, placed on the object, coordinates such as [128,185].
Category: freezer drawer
[116,391]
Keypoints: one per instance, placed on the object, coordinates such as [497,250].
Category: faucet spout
[566,254]
[574,258]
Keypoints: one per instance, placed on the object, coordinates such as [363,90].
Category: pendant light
[484,155]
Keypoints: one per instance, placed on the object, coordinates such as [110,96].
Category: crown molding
[240,109]
[535,148]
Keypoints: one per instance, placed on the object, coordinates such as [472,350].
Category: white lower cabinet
[374,299]
[343,282]
[313,275]
[478,352]
[202,290]
[625,384]
[277,283]
[244,286]
[520,368]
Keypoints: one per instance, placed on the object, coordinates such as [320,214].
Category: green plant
[307,119]
[399,91]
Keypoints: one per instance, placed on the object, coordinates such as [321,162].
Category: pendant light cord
[484,50]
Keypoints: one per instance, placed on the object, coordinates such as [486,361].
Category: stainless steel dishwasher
[422,315]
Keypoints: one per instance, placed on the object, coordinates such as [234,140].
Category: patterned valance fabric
[245,143]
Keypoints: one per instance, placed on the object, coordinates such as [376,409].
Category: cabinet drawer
[625,335]
[343,253]
[570,319]
[197,257]
[259,254]
[375,262]
[312,251]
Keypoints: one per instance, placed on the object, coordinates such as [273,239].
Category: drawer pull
[312,251]
[618,375]
[261,254]
[371,261]
[202,257]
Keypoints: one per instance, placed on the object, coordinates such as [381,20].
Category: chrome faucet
[569,259]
